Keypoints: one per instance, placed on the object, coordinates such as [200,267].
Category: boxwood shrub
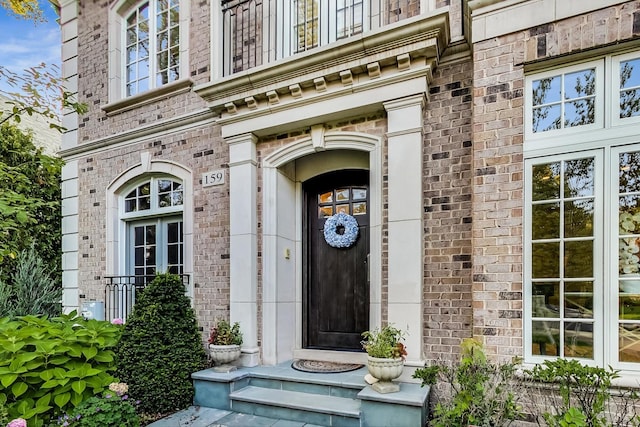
[161,347]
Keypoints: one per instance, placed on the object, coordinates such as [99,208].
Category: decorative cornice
[425,70]
[369,56]
[196,118]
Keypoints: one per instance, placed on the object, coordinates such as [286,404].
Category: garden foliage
[29,200]
[31,288]
[474,391]
[48,366]
[223,333]
[577,395]
[112,409]
[161,347]
[384,343]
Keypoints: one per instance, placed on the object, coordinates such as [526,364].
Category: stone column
[405,230]
[70,243]
[243,242]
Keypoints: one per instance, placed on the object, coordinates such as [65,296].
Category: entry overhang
[353,76]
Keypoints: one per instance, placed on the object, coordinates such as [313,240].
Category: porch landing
[280,396]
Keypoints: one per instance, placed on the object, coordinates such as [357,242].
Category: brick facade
[448,211]
[498,182]
[472,156]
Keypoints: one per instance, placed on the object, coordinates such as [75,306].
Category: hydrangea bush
[48,366]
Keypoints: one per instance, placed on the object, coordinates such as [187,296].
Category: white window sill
[148,97]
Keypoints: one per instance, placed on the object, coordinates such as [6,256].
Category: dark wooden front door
[336,283]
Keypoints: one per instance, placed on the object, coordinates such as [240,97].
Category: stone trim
[132,136]
[420,37]
[495,18]
[148,97]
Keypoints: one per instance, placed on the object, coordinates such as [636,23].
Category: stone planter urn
[385,370]
[223,355]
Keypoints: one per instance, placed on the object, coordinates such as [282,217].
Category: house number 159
[213,178]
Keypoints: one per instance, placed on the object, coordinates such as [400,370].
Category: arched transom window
[152,211]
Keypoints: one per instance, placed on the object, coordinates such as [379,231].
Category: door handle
[366,262]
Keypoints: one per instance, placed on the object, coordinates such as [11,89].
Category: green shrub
[161,347]
[31,289]
[580,395]
[112,409]
[48,366]
[476,392]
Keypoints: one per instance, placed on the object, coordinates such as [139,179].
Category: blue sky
[24,44]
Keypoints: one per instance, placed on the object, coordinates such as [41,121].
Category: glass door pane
[562,260]
[629,256]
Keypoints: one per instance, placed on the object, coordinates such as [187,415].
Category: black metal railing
[256,32]
[120,294]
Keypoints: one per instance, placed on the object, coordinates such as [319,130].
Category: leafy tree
[25,9]
[161,345]
[39,89]
[29,200]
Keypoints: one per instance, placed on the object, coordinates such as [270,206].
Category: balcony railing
[120,294]
[256,32]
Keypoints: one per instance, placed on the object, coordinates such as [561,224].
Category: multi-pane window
[582,218]
[349,15]
[565,100]
[316,23]
[628,215]
[562,275]
[154,241]
[152,46]
[305,27]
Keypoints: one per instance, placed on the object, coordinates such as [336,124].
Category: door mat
[320,367]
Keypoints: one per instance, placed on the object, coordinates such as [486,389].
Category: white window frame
[327,27]
[598,267]
[154,50]
[154,213]
[615,90]
[611,136]
[118,13]
[161,245]
[598,123]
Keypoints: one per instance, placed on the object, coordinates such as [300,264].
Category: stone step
[341,385]
[297,406]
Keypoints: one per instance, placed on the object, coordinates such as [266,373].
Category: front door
[336,282]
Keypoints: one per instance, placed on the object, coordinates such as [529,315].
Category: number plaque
[212,178]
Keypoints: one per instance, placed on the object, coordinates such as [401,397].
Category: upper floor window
[308,24]
[261,31]
[317,22]
[152,45]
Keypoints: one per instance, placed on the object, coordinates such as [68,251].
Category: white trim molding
[115,227]
[283,174]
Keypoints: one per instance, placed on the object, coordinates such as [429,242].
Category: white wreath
[346,239]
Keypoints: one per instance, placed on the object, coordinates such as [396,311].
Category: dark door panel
[336,287]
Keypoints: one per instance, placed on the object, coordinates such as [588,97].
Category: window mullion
[153,37]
